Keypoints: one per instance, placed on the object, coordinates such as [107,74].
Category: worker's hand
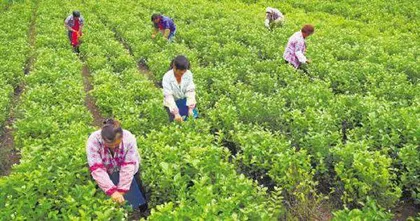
[178,118]
[153,36]
[191,113]
[308,61]
[117,197]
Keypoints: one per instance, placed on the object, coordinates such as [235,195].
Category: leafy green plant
[364,173]
[370,211]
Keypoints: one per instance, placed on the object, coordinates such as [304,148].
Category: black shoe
[143,208]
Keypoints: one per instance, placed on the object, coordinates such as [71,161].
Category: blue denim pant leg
[171,36]
[134,196]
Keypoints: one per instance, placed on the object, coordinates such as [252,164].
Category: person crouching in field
[294,53]
[74,24]
[179,90]
[114,163]
[273,18]
[165,25]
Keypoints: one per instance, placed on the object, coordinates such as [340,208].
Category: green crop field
[341,142]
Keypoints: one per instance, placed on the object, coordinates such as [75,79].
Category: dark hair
[308,29]
[76,14]
[110,130]
[155,16]
[180,62]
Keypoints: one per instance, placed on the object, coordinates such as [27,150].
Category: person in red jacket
[74,24]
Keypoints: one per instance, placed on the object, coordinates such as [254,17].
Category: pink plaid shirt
[295,50]
[126,160]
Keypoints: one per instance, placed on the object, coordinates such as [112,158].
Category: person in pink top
[114,162]
[294,53]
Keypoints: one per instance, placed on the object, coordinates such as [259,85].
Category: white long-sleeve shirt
[173,91]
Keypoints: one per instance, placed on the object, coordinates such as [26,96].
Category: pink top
[126,160]
[295,50]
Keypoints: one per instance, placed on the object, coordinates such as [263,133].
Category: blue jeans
[134,196]
[172,36]
[183,110]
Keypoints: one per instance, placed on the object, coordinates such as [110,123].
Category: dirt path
[144,69]
[405,209]
[89,100]
[141,64]
[9,155]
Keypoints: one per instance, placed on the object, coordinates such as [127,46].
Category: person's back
[273,18]
[295,50]
[168,22]
[165,25]
[295,43]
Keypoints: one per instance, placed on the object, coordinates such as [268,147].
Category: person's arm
[155,31]
[166,33]
[300,52]
[166,29]
[68,27]
[129,167]
[169,97]
[66,24]
[190,94]
[301,57]
[97,167]
[267,23]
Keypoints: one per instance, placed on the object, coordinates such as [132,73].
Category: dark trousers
[183,110]
[69,35]
[134,196]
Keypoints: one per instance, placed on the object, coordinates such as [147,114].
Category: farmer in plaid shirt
[114,161]
[294,53]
